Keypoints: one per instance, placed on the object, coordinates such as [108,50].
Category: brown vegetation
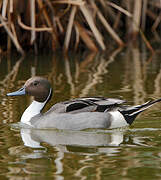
[53,24]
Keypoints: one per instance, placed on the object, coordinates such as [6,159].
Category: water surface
[129,153]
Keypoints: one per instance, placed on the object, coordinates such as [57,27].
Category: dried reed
[53,24]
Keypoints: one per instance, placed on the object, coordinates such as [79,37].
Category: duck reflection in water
[101,140]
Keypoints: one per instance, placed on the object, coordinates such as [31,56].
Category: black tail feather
[130,113]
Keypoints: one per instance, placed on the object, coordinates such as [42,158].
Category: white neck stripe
[33,110]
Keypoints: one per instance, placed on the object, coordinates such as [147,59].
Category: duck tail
[130,113]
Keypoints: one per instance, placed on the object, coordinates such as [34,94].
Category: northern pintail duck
[76,114]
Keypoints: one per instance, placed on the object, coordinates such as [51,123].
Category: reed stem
[56,24]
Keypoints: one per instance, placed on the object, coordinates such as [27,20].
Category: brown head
[38,87]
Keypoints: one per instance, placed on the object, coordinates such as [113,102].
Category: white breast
[117,120]
[33,110]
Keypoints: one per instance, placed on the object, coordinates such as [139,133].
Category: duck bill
[18,93]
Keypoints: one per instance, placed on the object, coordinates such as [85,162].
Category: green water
[130,153]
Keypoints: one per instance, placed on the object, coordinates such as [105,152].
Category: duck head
[36,86]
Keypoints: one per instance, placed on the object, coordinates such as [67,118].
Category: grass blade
[89,19]
[85,37]
[69,28]
[14,40]
[107,26]
[32,20]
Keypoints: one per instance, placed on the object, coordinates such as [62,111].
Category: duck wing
[99,104]
[106,104]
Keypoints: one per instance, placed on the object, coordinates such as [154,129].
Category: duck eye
[35,83]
